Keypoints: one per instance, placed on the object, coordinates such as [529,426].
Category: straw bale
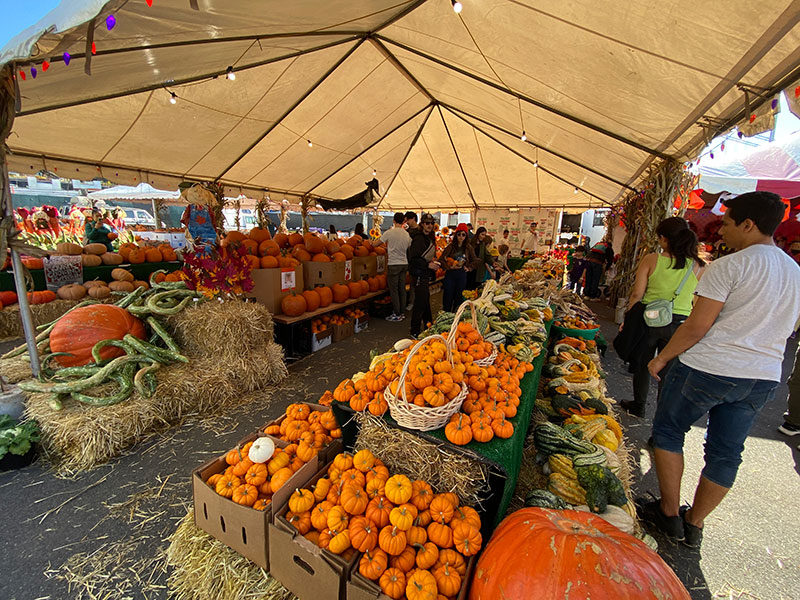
[15,369]
[204,568]
[444,469]
[11,323]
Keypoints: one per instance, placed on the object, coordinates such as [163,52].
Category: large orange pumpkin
[136,256]
[251,246]
[269,262]
[282,240]
[364,286]
[79,330]
[293,305]
[355,289]
[338,257]
[321,257]
[331,247]
[300,253]
[543,553]
[374,284]
[325,295]
[269,248]
[361,251]
[259,235]
[313,244]
[347,250]
[312,300]
[287,261]
[354,241]
[153,255]
[341,292]
[295,239]
[380,250]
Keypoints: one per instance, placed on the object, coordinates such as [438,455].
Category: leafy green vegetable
[17,438]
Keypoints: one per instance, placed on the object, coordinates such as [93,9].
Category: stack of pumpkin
[320,324]
[295,304]
[139,253]
[357,313]
[310,430]
[415,543]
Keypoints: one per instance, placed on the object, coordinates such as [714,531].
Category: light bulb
[535,163]
[456,6]
[374,172]
[310,145]
[576,191]
[173,98]
[229,74]
[523,137]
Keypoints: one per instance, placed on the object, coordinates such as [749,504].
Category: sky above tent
[435,103]
[19,15]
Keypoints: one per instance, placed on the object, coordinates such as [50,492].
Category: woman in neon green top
[658,277]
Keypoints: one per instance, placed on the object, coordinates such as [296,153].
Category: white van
[247,219]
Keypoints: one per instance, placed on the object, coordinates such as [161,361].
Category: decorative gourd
[398,489]
[422,585]
[94,283]
[293,304]
[121,275]
[393,583]
[70,249]
[545,499]
[42,297]
[32,262]
[8,298]
[99,292]
[79,330]
[112,258]
[363,534]
[98,249]
[614,515]
[301,500]
[71,291]
[373,564]
[138,283]
[544,553]
[262,450]
[121,286]
[91,260]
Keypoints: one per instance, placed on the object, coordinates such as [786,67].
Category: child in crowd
[501,264]
[577,269]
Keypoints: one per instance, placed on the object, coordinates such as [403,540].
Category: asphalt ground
[103,533]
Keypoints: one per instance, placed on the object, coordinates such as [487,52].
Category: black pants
[656,339]
[594,272]
[472,283]
[421,313]
[454,283]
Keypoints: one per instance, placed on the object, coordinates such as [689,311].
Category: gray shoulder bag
[659,312]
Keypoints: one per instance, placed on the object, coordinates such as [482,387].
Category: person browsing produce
[397,242]
[422,266]
[457,259]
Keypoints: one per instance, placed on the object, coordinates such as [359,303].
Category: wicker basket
[422,418]
[451,336]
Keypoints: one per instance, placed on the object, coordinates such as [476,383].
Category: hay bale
[81,437]
[15,369]
[222,329]
[203,568]
[11,323]
[444,469]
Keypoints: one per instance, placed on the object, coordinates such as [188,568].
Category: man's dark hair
[469,225]
[399,218]
[411,216]
[505,231]
[765,209]
[581,249]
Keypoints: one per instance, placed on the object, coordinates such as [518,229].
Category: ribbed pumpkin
[341,292]
[79,330]
[313,244]
[259,235]
[312,300]
[293,305]
[355,289]
[543,553]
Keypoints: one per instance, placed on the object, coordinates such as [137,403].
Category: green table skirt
[103,273]
[515,264]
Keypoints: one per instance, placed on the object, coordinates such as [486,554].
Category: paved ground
[102,534]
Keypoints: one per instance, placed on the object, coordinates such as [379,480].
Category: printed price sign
[61,270]
[348,270]
[381,263]
[288,279]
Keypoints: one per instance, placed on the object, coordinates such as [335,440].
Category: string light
[110,22]
[456,6]
[535,163]
[575,191]
[310,145]
[374,172]
[67,58]
[523,137]
[229,74]
[173,98]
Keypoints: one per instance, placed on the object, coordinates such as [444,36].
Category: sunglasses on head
[794,250]
[461,233]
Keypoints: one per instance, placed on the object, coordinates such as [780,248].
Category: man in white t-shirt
[730,352]
[530,241]
[397,242]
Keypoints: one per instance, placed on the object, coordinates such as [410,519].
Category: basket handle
[401,383]
[451,336]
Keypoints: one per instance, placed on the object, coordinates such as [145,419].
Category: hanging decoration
[262,207]
[283,228]
[359,200]
[305,204]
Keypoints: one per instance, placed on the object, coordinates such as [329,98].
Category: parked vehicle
[247,219]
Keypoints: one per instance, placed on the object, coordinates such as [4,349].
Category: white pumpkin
[261,450]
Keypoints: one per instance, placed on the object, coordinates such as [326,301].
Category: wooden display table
[286,320]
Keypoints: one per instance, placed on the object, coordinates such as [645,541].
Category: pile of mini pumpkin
[311,430]
[414,543]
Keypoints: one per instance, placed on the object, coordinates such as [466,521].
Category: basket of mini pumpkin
[426,394]
[452,340]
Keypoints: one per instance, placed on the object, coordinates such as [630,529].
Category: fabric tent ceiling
[435,102]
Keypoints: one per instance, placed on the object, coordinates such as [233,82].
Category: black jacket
[420,244]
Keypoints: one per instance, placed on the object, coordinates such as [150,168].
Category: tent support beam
[463,113]
[402,162]
[372,145]
[527,99]
[528,160]
[458,159]
[194,79]
[400,67]
[289,111]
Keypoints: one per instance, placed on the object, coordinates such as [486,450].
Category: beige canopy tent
[433,101]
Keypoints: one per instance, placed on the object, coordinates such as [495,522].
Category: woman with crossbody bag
[661,300]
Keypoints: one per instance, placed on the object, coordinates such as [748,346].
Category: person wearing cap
[410,225]
[422,266]
[457,259]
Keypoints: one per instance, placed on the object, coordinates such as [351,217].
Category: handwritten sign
[348,270]
[61,270]
[288,279]
[381,262]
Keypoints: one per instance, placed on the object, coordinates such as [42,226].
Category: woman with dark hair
[479,243]
[671,275]
[422,266]
[359,230]
[332,235]
[457,259]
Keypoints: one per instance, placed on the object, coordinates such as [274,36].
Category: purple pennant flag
[110,22]
[67,58]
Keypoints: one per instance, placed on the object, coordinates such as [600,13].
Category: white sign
[348,270]
[61,270]
[288,281]
[381,263]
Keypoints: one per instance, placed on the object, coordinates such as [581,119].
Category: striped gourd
[545,499]
[606,438]
[552,439]
[569,490]
[560,463]
[595,457]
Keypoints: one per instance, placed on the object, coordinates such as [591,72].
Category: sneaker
[393,318]
[410,307]
[693,536]
[632,408]
[401,317]
[789,429]
[650,512]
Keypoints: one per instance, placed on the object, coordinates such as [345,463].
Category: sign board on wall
[518,222]
[61,270]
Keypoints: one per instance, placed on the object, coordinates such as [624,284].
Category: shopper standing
[422,266]
[671,275]
[397,242]
[457,259]
[791,418]
[577,265]
[730,353]
[332,235]
[600,256]
[411,224]
[479,248]
[530,241]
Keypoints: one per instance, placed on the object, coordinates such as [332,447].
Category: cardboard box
[305,569]
[360,588]
[341,332]
[271,285]
[364,267]
[322,273]
[241,528]
[361,324]
[321,340]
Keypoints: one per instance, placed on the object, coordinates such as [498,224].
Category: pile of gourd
[93,344]
[92,255]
